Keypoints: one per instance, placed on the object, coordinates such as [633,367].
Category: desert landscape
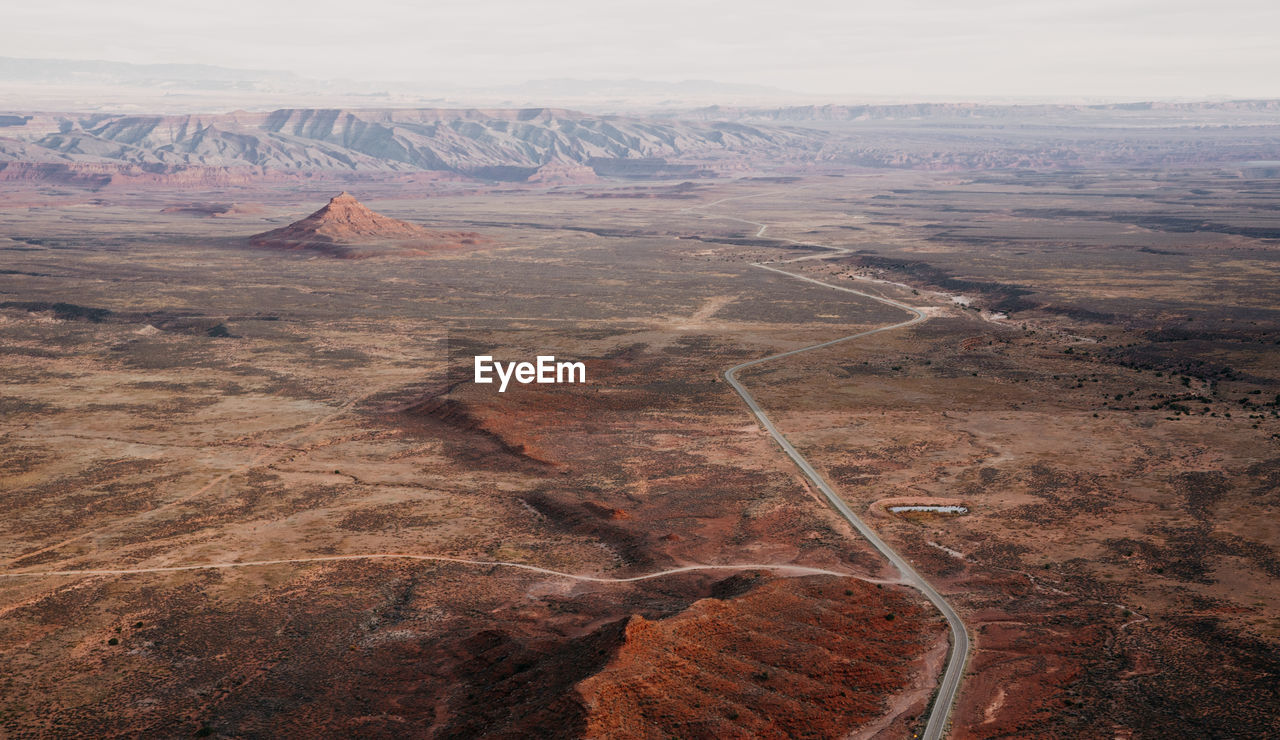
[252,490]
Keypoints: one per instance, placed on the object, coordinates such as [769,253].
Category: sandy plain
[1099,389]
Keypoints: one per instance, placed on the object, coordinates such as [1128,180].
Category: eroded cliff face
[544,144]
[761,657]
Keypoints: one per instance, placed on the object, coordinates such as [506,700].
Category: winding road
[949,686]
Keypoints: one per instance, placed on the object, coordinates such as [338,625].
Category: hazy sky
[954,48]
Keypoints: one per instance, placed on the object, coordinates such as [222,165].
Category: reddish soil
[801,657]
[477,431]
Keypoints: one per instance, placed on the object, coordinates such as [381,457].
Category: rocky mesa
[347,228]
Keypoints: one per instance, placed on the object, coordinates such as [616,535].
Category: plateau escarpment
[541,144]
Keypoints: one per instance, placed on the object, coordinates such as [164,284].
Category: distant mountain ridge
[501,144]
[558,146]
[972,111]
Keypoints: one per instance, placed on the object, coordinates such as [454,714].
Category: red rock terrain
[347,228]
[763,657]
[797,658]
[476,431]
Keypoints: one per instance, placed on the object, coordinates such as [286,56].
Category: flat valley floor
[1097,383]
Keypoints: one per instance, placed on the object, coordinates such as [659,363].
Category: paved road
[939,715]
[950,684]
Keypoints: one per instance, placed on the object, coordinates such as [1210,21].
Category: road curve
[949,686]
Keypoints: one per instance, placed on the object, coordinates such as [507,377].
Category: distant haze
[957,49]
